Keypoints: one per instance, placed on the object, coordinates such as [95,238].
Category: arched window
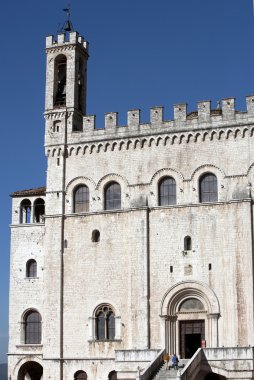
[31,268]
[208,188]
[60,80]
[95,236]
[32,327]
[80,375]
[187,243]
[113,196]
[81,199]
[39,210]
[25,211]
[167,191]
[105,323]
[112,375]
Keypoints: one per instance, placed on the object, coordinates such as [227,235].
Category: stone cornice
[165,138]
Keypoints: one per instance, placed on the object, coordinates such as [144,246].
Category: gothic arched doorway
[190,311]
[30,371]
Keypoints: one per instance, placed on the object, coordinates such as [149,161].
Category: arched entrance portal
[190,311]
[30,371]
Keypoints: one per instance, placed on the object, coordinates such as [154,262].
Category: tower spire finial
[67,27]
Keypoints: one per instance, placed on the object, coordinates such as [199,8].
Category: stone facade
[140,266]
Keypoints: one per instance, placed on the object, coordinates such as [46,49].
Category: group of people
[174,360]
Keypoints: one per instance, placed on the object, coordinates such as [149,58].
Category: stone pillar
[91,328]
[213,329]
[172,333]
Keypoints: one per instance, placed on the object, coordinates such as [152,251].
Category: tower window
[81,199]
[25,211]
[39,210]
[80,84]
[187,243]
[31,268]
[105,323]
[208,188]
[167,191]
[32,327]
[95,236]
[60,80]
[113,196]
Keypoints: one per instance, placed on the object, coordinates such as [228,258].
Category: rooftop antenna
[67,27]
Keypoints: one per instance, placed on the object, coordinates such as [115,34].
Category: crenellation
[180,112]
[73,37]
[250,104]
[156,116]
[228,108]
[204,111]
[61,38]
[133,118]
[49,41]
[111,119]
[89,123]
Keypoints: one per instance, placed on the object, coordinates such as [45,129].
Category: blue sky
[143,53]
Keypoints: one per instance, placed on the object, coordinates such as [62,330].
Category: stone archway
[174,318]
[30,371]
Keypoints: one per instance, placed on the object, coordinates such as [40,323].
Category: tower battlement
[66,39]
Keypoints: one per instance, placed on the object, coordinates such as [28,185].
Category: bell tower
[65,80]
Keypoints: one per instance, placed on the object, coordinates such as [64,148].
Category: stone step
[170,373]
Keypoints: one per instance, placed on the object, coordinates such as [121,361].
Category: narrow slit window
[187,243]
[95,236]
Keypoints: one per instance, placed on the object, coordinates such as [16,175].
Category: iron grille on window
[167,191]
[105,323]
[32,325]
[31,268]
[81,199]
[208,189]
[113,196]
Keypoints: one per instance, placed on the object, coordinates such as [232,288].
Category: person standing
[175,361]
